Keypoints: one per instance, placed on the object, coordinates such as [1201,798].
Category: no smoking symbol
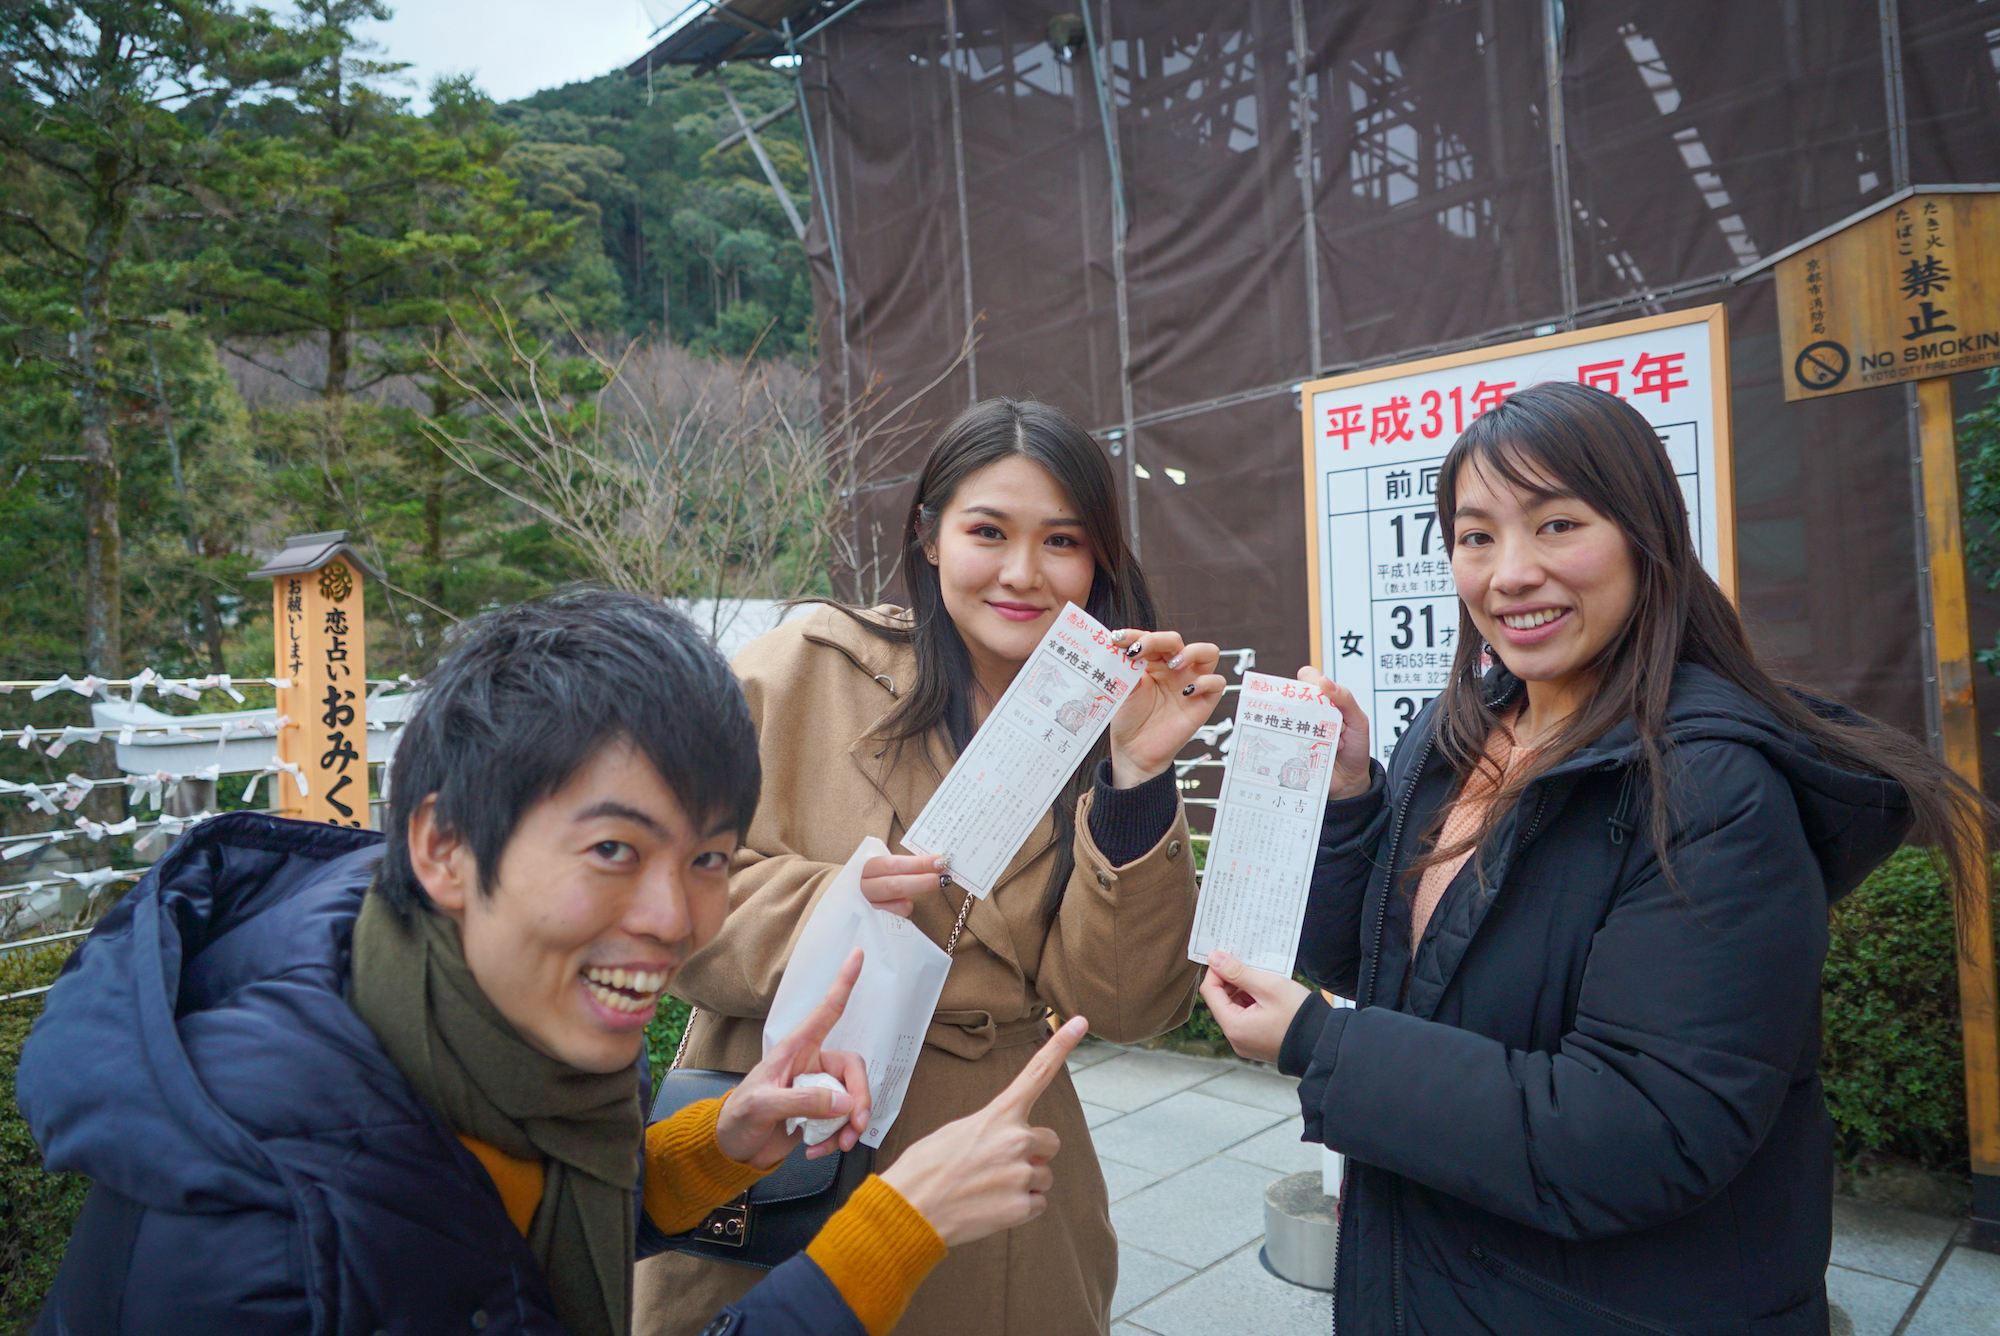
[1822,365]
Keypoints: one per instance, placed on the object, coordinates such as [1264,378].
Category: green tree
[677,217]
[101,107]
[357,221]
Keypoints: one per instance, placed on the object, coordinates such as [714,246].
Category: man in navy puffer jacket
[326,1084]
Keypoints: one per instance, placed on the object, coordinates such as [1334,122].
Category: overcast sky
[513,47]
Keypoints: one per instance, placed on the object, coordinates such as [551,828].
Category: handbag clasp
[728,1225]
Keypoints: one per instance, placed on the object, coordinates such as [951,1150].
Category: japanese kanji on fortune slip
[1384,611]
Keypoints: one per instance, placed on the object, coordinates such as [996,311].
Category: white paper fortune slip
[1267,823]
[902,974]
[1059,704]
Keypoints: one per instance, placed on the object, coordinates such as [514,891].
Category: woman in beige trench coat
[1014,515]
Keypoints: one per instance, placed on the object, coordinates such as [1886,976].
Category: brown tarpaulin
[1308,187]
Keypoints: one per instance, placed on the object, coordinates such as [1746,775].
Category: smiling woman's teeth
[625,990]
[1528,621]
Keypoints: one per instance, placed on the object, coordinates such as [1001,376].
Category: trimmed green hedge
[1894,1065]
[36,1208]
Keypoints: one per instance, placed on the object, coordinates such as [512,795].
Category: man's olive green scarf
[415,991]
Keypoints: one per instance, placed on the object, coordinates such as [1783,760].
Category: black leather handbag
[781,1212]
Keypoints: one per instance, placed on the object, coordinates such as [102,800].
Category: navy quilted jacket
[260,1167]
[1588,1102]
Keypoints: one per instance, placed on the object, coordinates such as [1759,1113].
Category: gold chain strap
[951,945]
[964,908]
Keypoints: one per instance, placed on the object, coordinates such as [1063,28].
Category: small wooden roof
[305,553]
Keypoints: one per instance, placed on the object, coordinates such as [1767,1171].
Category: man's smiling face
[603,891]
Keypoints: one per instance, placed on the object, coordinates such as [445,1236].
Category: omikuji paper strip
[1267,823]
[1059,704]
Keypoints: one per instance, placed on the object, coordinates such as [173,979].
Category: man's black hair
[526,696]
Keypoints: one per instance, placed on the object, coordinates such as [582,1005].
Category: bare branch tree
[675,475]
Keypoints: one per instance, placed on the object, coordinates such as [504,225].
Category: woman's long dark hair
[1595,447]
[941,696]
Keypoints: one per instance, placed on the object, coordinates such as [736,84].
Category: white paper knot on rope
[291,768]
[141,682]
[77,788]
[28,736]
[87,688]
[74,734]
[97,830]
[95,880]
[215,680]
[171,827]
[399,680]
[28,846]
[150,788]
[38,800]
[167,686]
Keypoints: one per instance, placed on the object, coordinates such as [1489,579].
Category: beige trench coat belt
[973,1034]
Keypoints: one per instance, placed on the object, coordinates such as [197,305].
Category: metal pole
[1100,64]
[964,219]
[1302,108]
[763,158]
[1891,23]
[1552,40]
[830,20]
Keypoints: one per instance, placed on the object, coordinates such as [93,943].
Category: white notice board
[1384,613]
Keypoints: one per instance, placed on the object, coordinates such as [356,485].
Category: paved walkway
[1189,1144]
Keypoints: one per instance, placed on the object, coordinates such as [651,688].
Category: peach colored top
[1463,819]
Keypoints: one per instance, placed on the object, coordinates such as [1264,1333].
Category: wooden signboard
[317,590]
[1909,293]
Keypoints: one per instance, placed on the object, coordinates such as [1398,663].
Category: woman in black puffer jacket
[1583,914]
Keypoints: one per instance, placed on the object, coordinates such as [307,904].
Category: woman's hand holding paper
[1172,700]
[894,881]
[1350,758]
[1254,1007]
[751,1128]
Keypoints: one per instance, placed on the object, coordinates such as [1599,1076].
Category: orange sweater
[876,1249]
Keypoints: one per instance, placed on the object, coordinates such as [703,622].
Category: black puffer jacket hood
[1851,820]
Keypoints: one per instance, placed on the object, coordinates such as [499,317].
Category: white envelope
[902,975]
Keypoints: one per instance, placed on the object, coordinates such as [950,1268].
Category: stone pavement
[1189,1144]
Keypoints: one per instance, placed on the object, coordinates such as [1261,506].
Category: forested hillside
[245,292]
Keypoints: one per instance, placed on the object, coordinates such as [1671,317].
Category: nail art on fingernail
[1175,662]
[944,880]
[1188,690]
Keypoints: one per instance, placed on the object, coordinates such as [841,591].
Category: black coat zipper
[1548,1289]
[1367,996]
[1368,993]
[1389,876]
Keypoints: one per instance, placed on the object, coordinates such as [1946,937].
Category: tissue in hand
[817,1129]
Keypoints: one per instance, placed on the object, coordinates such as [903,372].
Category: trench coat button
[1104,879]
[479,1319]
[1173,850]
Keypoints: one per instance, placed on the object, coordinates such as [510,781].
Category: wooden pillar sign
[1908,291]
[317,583]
